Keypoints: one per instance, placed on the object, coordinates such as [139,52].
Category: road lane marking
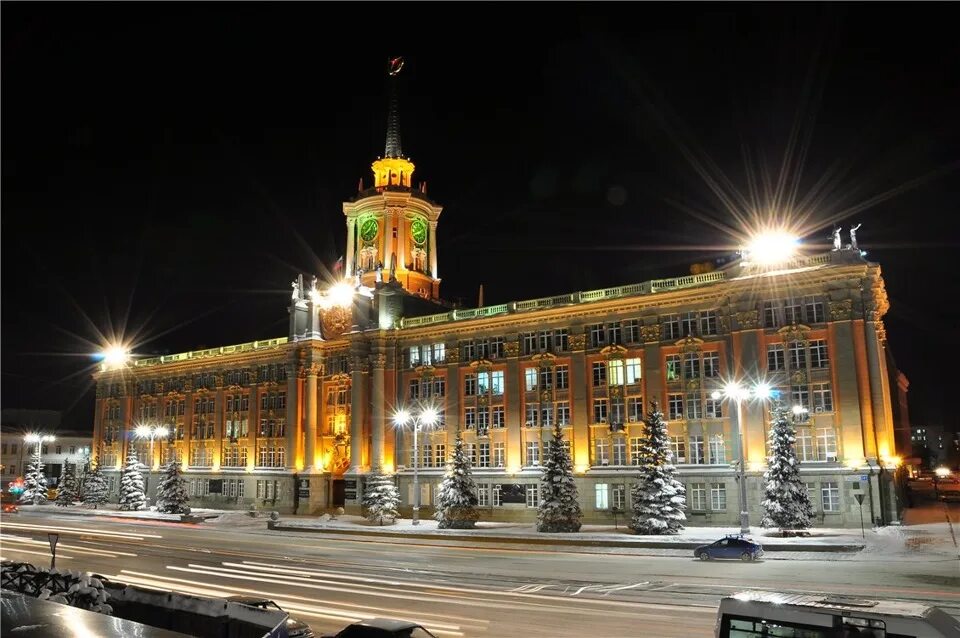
[77,530]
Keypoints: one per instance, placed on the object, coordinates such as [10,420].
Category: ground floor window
[698,496]
[533,495]
[497,501]
[483,495]
[601,496]
[268,489]
[619,496]
[830,496]
[718,497]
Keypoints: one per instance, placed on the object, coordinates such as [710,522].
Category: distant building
[932,440]
[296,422]
[15,452]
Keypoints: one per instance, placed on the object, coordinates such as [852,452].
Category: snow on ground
[112,510]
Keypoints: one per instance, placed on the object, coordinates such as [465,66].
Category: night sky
[170,167]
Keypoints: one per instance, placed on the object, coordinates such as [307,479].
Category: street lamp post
[738,393]
[151,432]
[417,418]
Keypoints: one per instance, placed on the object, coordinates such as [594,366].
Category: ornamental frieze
[799,377]
[335,321]
[723,323]
[693,384]
[545,360]
[748,319]
[690,345]
[650,333]
[341,378]
[794,333]
[614,352]
[378,361]
[452,355]
[841,310]
[578,343]
[511,348]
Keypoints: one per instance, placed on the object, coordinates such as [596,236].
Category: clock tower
[392,226]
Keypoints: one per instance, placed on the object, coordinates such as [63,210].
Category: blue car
[731,546]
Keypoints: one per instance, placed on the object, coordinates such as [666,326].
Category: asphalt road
[330,581]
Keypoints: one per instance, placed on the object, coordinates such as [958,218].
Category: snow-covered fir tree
[67,486]
[83,469]
[34,481]
[132,496]
[380,498]
[658,497]
[559,510]
[172,491]
[95,487]
[457,497]
[787,504]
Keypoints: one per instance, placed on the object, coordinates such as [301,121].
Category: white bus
[759,614]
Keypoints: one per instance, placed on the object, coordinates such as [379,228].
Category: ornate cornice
[341,378]
[690,344]
[795,332]
[614,352]
[748,319]
[651,333]
[545,359]
[841,310]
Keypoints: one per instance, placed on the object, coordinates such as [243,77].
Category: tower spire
[392,149]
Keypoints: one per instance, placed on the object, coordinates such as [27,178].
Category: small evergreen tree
[132,497]
[172,491]
[34,482]
[658,497]
[559,509]
[95,487]
[787,504]
[81,476]
[457,497]
[66,486]
[380,497]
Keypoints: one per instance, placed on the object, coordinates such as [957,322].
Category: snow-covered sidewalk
[112,510]
[820,539]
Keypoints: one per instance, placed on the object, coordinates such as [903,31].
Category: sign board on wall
[350,489]
[513,493]
[216,486]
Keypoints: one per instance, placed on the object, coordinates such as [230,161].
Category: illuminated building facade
[295,423]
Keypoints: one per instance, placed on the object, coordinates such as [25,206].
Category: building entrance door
[339,492]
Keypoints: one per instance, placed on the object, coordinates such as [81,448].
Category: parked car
[730,546]
[295,628]
[382,628]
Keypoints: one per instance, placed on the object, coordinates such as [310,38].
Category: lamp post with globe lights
[424,416]
[151,432]
[738,393]
[37,439]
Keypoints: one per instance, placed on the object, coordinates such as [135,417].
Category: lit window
[533,495]
[718,497]
[602,494]
[830,496]
[698,496]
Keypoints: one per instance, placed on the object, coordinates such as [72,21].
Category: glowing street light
[426,416]
[151,432]
[114,357]
[771,247]
[738,393]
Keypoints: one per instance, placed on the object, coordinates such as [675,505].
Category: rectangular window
[718,451]
[812,494]
[791,312]
[636,450]
[498,416]
[798,355]
[440,455]
[602,452]
[616,372]
[470,385]
[499,454]
[533,496]
[546,378]
[599,410]
[688,324]
[530,377]
[426,455]
[775,357]
[414,354]
[563,412]
[804,445]
[633,370]
[693,406]
[469,418]
[546,417]
[598,335]
[714,408]
[708,323]
[822,397]
[814,310]
[634,409]
[533,453]
[613,332]
[631,331]
[562,376]
[800,395]
[718,497]
[532,414]
[602,496]
[497,501]
[414,389]
[560,340]
[675,406]
[696,449]
[671,327]
[826,444]
[529,342]
[439,387]
[483,495]
[484,460]
[771,314]
[546,341]
[818,354]
[711,364]
[599,374]
[619,494]
[830,496]
[673,367]
[496,382]
[619,451]
[698,496]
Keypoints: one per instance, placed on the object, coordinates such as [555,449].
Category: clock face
[418,230]
[368,229]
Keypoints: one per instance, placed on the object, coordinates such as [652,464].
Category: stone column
[218,418]
[97,429]
[292,427]
[578,397]
[433,250]
[378,361]
[401,241]
[513,438]
[350,247]
[851,400]
[310,418]
[356,414]
[878,398]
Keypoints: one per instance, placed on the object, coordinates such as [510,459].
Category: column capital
[378,361]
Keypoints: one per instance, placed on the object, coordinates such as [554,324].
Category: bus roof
[834,602]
